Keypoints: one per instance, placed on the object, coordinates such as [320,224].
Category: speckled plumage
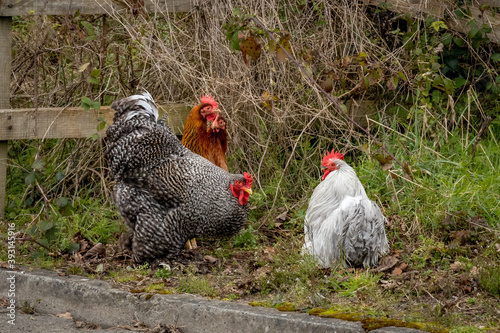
[342,223]
[165,193]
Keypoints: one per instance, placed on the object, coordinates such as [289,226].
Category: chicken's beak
[248,190]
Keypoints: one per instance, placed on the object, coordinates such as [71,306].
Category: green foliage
[41,206]
[197,284]
[490,278]
[87,104]
[288,266]
[466,329]
[246,238]
[348,283]
[163,273]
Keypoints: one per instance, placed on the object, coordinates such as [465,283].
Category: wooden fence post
[5,71]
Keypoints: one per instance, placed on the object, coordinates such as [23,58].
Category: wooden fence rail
[72,122]
[77,123]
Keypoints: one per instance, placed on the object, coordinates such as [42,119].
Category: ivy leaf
[101,126]
[43,242]
[458,41]
[86,103]
[96,105]
[449,86]
[60,176]
[93,80]
[62,202]
[474,32]
[46,225]
[495,57]
[73,247]
[95,73]
[446,39]
[38,164]
[88,27]
[459,13]
[235,41]
[438,25]
[30,179]
[486,28]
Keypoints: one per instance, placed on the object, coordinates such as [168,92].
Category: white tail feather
[146,104]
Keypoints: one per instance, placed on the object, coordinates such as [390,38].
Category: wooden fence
[76,123]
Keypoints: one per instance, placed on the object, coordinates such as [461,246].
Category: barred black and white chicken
[342,223]
[165,193]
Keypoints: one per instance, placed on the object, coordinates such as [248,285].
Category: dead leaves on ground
[97,258]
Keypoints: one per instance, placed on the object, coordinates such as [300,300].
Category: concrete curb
[95,301]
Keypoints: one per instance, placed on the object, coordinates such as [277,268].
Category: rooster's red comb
[248,178]
[334,155]
[209,100]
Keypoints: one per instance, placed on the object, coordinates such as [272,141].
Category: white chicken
[342,223]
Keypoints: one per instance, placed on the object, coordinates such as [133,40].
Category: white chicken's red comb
[334,155]
[209,100]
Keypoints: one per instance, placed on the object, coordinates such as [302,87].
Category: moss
[371,323]
[263,304]
[148,296]
[155,287]
[138,290]
[374,323]
[166,292]
[287,306]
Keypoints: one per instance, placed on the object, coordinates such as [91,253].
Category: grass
[443,203]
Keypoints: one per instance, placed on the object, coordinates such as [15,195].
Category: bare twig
[29,239]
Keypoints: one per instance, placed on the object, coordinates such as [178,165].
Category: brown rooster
[195,136]
[210,143]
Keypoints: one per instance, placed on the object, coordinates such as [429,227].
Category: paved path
[94,301]
[38,323]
